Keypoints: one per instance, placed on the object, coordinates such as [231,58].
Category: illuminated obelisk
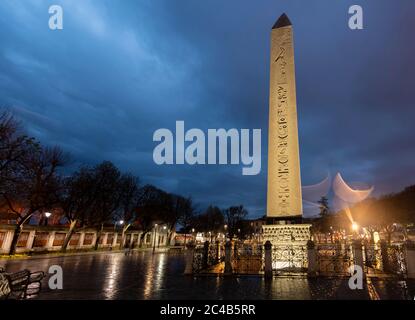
[284,201]
[284,181]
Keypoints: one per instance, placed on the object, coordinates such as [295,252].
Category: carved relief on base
[289,245]
[287,233]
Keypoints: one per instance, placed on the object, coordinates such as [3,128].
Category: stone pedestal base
[289,245]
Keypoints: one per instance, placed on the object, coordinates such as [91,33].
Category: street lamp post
[47,215]
[122,234]
[154,238]
[158,242]
[121,222]
[193,236]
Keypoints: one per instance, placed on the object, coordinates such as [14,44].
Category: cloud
[121,70]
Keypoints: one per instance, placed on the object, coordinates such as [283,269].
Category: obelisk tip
[282,21]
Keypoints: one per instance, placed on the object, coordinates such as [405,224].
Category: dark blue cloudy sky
[119,70]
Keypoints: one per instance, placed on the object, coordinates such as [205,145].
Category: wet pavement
[144,275]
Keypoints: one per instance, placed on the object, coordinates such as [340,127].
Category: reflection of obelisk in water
[284,181]
[284,201]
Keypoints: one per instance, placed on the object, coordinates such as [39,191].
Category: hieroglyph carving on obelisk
[284,180]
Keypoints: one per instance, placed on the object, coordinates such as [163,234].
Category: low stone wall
[51,238]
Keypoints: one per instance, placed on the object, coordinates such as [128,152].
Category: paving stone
[160,276]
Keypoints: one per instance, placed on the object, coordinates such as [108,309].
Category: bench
[23,284]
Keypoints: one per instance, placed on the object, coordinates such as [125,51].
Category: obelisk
[284,202]
[284,180]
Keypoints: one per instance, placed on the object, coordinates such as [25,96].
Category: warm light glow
[355,226]
[376,237]
[47,214]
[164,227]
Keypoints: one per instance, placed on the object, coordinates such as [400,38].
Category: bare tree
[76,200]
[152,206]
[233,217]
[14,149]
[186,215]
[129,199]
[34,187]
[106,196]
[172,215]
[212,220]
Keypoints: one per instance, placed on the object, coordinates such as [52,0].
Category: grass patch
[15,256]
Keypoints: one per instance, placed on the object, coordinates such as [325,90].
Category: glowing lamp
[355,226]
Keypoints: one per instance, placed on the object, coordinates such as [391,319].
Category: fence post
[268,260]
[338,248]
[30,240]
[51,238]
[366,245]
[410,259]
[81,240]
[217,258]
[343,246]
[7,241]
[235,249]
[358,254]
[189,259]
[228,258]
[104,239]
[205,258]
[312,258]
[385,257]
